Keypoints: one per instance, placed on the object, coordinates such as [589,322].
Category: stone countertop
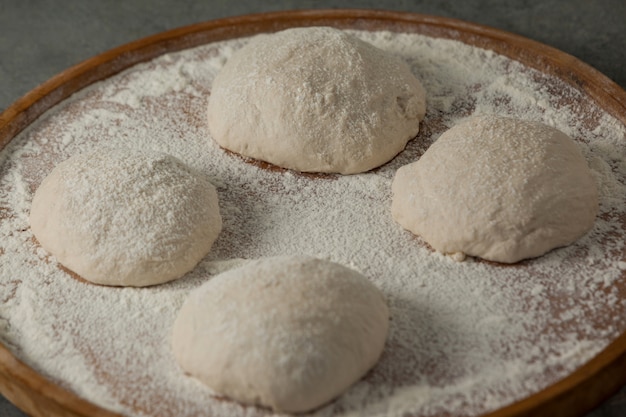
[40,38]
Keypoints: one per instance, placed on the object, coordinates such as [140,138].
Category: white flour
[465,337]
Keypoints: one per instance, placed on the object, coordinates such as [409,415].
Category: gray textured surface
[40,38]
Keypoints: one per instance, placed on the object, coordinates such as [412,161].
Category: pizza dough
[315,99]
[498,188]
[290,333]
[123,217]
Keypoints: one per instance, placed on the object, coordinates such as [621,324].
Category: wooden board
[573,395]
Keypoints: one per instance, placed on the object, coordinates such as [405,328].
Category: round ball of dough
[290,333]
[498,188]
[315,99]
[129,218]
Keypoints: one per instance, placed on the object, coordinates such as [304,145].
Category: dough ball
[498,188]
[315,99]
[290,333]
[125,217]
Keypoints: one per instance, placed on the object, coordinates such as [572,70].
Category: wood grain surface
[572,396]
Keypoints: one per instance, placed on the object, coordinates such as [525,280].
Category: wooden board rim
[573,395]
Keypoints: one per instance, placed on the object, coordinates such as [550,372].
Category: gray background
[40,38]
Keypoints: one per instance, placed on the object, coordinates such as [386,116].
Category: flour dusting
[466,337]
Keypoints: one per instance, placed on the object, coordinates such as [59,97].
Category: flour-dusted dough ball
[498,188]
[123,217]
[315,99]
[290,333]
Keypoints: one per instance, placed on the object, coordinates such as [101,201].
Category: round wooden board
[572,396]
